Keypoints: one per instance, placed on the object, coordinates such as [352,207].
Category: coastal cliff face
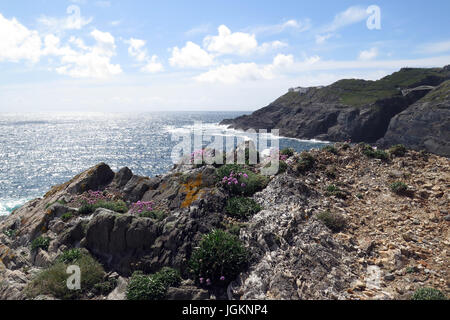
[362,111]
[346,222]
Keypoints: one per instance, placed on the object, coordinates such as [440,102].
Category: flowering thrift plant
[235,181]
[141,207]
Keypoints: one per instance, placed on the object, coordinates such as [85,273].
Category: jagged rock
[122,177]
[425,124]
[119,292]
[42,259]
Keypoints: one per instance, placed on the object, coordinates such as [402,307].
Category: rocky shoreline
[344,222]
[409,107]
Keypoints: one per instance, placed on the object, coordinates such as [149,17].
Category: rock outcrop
[360,111]
[425,125]
[390,244]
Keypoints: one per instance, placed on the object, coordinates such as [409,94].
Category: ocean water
[40,150]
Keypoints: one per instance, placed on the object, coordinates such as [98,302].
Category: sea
[40,150]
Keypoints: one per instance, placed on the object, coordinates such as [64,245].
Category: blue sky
[89,55]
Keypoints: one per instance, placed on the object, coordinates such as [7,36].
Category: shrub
[289,152]
[399,188]
[53,281]
[219,258]
[330,149]
[377,154]
[10,233]
[152,287]
[154,214]
[242,208]
[40,243]
[282,166]
[66,216]
[104,288]
[168,276]
[240,181]
[398,150]
[335,222]
[305,163]
[69,256]
[428,294]
[116,206]
[142,287]
[333,190]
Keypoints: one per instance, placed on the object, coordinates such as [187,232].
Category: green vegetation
[116,206]
[158,215]
[219,258]
[335,222]
[289,152]
[241,207]
[399,187]
[248,184]
[305,163]
[62,202]
[333,190]
[71,255]
[377,154]
[428,294]
[152,287]
[398,150]
[66,216]
[330,149]
[440,93]
[53,281]
[10,233]
[40,243]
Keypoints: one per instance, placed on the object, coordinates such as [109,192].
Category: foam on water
[38,151]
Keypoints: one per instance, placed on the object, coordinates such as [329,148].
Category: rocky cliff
[346,222]
[362,111]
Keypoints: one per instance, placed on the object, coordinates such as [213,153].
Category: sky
[141,55]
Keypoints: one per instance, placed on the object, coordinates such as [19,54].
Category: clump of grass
[398,150]
[289,152]
[305,163]
[67,216]
[116,206]
[333,190]
[152,287]
[428,294]
[69,256]
[40,243]
[242,208]
[399,188]
[330,149]
[334,221]
[158,215]
[53,281]
[372,153]
[219,258]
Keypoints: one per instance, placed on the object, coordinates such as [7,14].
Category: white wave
[9,205]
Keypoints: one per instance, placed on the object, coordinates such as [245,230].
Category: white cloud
[366,55]
[74,21]
[87,62]
[350,16]
[269,46]
[190,56]
[138,51]
[17,42]
[234,73]
[294,25]
[435,47]
[227,42]
[321,38]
